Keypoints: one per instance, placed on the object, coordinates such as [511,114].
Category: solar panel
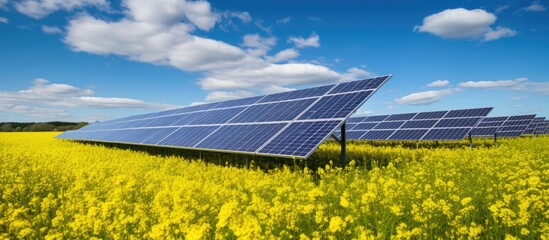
[540,129]
[437,125]
[287,124]
[531,129]
[505,126]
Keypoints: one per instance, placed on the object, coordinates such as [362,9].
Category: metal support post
[470,140]
[343,146]
[247,162]
[200,155]
[496,139]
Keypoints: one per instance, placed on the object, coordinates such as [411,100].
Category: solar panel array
[506,126]
[532,127]
[287,124]
[546,130]
[438,125]
[542,127]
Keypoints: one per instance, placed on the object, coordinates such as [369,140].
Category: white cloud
[50,100]
[283,55]
[284,20]
[424,98]
[439,83]
[257,45]
[169,12]
[4,20]
[275,89]
[51,30]
[535,7]
[519,97]
[502,8]
[461,23]
[245,17]
[300,42]
[499,32]
[228,95]
[539,87]
[165,34]
[493,84]
[41,8]
[3,3]
[355,74]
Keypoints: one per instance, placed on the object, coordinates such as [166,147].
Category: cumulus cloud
[166,34]
[283,55]
[519,97]
[499,32]
[50,100]
[4,20]
[493,84]
[424,98]
[51,30]
[300,42]
[535,7]
[439,83]
[462,23]
[40,8]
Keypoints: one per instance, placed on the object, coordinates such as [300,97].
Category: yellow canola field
[58,189]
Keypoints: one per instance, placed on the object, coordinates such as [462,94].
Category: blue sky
[91,60]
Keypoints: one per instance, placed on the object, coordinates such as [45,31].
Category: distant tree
[41,127]
[6,128]
[18,129]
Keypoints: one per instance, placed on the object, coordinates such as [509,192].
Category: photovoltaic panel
[533,125]
[540,128]
[287,124]
[436,125]
[505,126]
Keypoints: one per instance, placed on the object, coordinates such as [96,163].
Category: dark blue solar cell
[159,134]
[114,135]
[300,138]
[521,117]
[337,106]
[430,115]
[404,116]
[350,126]
[138,135]
[187,136]
[446,134]
[378,118]
[354,135]
[377,134]
[517,122]
[494,119]
[278,111]
[475,112]
[244,138]
[411,134]
[457,122]
[365,84]
[167,112]
[214,116]
[304,93]
[238,102]
[389,125]
[158,122]
[485,131]
[356,119]
[490,124]
[419,124]
[512,128]
[365,126]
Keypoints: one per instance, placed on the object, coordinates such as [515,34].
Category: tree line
[40,126]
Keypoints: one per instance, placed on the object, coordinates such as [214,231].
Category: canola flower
[56,189]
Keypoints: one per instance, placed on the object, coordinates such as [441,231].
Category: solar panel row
[288,124]
[505,126]
[437,125]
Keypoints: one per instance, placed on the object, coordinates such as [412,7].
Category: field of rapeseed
[57,189]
